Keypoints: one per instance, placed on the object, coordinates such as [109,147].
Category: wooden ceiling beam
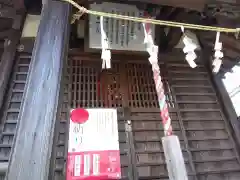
[188,4]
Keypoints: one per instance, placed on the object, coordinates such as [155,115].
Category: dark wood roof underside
[205,12]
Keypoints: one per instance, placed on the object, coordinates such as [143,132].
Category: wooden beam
[12,38]
[188,4]
[30,156]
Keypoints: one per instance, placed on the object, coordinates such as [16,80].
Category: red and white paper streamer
[153,59]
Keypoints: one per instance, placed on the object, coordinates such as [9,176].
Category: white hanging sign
[93,146]
[122,35]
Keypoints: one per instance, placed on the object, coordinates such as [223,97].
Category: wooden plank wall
[14,99]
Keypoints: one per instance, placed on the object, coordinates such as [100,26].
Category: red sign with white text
[93,146]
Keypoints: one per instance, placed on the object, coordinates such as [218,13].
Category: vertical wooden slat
[33,143]
[78,84]
[84,75]
[123,86]
[87,79]
[93,88]
[75,83]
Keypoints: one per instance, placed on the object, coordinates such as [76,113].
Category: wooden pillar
[12,37]
[30,157]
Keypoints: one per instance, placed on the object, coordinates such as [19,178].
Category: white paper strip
[106,54]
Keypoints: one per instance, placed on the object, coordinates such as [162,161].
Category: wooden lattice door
[127,86]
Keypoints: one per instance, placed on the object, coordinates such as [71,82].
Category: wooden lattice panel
[197,119]
[86,86]
[12,106]
[142,92]
[211,146]
[61,132]
[92,87]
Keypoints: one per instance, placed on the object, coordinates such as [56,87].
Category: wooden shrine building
[47,67]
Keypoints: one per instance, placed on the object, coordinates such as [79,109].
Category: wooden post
[10,47]
[30,157]
[174,158]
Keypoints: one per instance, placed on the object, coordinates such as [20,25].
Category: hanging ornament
[218,55]
[152,49]
[189,48]
[149,44]
[106,53]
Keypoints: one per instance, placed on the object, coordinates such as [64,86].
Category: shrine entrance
[206,140]
[210,142]
[208,147]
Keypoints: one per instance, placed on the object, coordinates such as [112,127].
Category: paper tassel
[218,55]
[189,48]
[106,53]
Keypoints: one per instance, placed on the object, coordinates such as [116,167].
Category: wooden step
[195,94]
[197,102]
[193,86]
[200,110]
